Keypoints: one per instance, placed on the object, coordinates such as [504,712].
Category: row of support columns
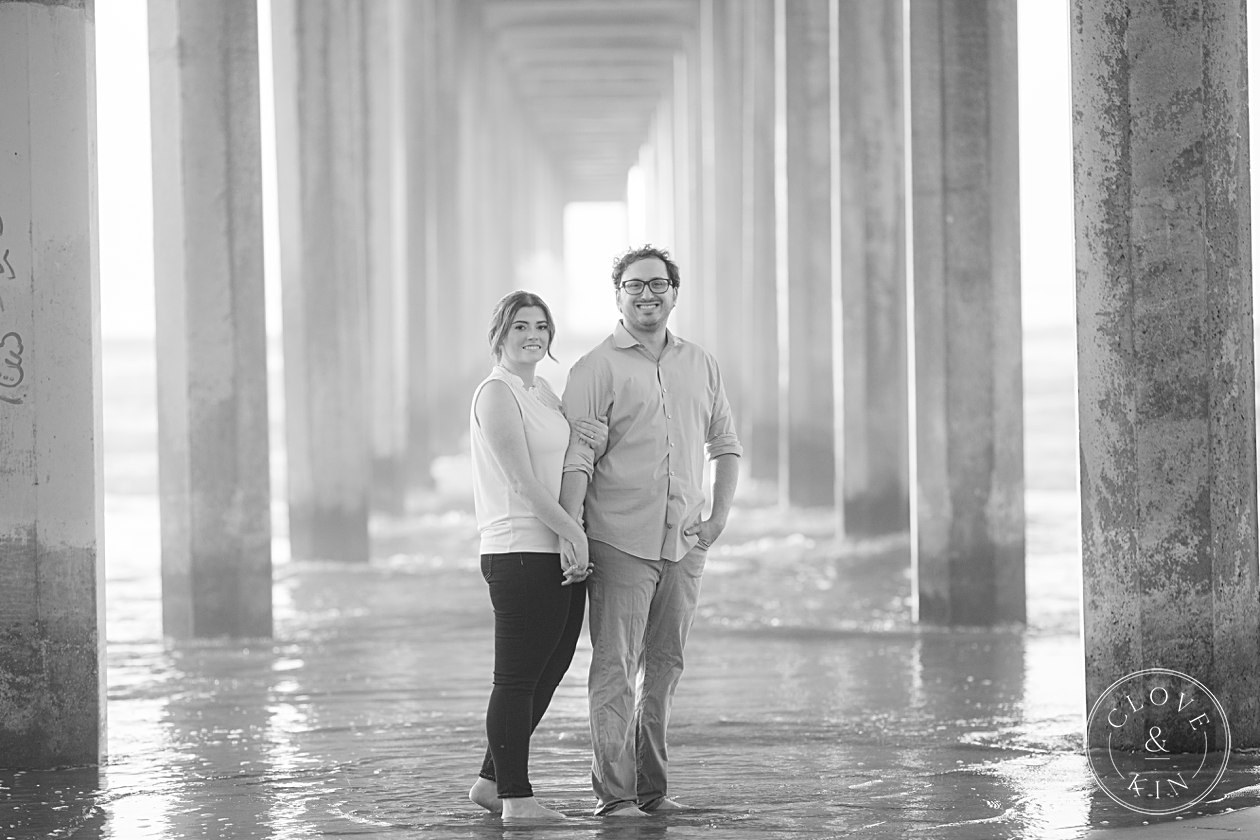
[800,236]
[846,400]
[791,93]
[404,202]
[411,198]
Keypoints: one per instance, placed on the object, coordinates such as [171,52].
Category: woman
[533,554]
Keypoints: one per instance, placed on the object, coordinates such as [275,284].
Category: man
[664,403]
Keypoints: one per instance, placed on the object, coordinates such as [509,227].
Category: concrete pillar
[1164,338]
[386,252]
[211,332]
[666,174]
[759,429]
[52,608]
[502,187]
[727,294]
[662,210]
[478,232]
[468,162]
[320,93]
[438,347]
[875,462]
[806,270]
[697,291]
[538,215]
[968,508]
[421,118]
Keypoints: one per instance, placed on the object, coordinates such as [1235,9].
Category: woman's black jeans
[536,626]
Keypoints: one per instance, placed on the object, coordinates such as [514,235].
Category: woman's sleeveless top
[505,522]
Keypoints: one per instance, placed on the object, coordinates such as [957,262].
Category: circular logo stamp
[1158,741]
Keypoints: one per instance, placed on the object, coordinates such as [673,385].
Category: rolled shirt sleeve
[581,399]
[720,438]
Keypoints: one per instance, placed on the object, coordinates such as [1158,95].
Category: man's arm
[725,477]
[724,450]
[573,486]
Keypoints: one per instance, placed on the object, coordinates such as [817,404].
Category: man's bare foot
[528,808]
[627,811]
[486,794]
[664,804]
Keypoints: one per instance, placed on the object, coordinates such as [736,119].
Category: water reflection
[365,717]
[56,803]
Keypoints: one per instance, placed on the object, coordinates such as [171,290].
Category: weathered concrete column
[52,608]
[386,251]
[320,134]
[726,296]
[479,275]
[502,184]
[693,314]
[1164,339]
[468,163]
[875,468]
[806,268]
[759,429]
[211,332]
[426,112]
[662,210]
[538,217]
[968,514]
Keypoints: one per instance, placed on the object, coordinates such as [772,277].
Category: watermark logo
[1158,741]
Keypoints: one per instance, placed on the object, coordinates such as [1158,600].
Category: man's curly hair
[642,253]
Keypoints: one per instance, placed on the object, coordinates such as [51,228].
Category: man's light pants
[640,614]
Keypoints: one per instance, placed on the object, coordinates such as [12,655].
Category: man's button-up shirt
[663,416]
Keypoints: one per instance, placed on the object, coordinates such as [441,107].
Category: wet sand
[811,705]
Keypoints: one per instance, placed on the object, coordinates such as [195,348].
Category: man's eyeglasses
[635,287]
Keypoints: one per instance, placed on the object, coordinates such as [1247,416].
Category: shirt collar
[516,378]
[624,339]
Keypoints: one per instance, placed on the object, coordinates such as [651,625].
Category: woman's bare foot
[486,794]
[628,811]
[528,808]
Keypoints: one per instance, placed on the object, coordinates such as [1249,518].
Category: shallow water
[811,706]
[363,717]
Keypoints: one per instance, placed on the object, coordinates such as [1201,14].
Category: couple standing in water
[608,504]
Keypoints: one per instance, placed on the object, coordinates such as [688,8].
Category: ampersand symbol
[1153,739]
[11,360]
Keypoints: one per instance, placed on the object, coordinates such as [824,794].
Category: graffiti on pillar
[6,267]
[10,365]
[11,374]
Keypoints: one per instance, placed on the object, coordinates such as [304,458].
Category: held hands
[708,530]
[591,431]
[575,561]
